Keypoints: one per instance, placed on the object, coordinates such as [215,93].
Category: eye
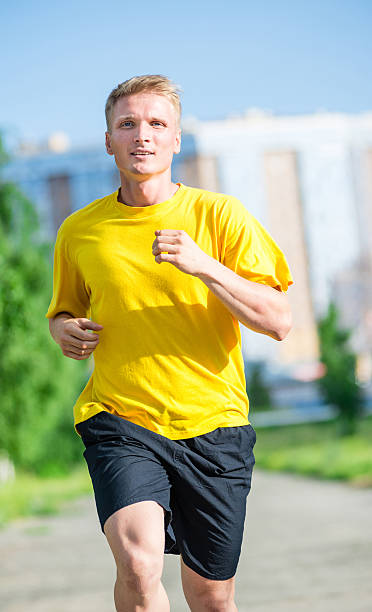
[157,123]
[126,123]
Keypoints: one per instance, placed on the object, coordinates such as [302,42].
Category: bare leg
[136,537]
[129,600]
[204,595]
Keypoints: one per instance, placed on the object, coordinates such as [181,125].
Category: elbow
[284,327]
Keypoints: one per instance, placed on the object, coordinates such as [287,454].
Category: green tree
[339,386]
[38,384]
[257,390]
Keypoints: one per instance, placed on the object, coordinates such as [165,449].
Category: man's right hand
[72,337]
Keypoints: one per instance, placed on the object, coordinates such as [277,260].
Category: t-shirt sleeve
[248,249]
[69,291]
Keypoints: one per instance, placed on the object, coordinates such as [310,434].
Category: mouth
[142,153]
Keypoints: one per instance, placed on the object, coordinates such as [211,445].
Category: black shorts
[201,482]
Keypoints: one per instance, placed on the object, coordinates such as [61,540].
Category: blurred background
[277,111]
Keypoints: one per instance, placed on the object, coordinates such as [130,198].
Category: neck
[146,192]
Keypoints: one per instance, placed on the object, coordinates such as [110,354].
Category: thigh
[135,533]
[200,591]
[208,499]
[123,470]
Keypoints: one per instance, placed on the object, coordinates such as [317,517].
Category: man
[164,416]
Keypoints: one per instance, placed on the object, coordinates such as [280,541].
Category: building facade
[308,179]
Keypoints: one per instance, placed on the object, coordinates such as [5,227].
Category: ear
[177,145]
[108,143]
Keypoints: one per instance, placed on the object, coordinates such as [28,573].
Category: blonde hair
[155,83]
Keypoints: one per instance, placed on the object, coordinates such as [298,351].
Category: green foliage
[38,384]
[257,390]
[316,449]
[31,495]
[339,386]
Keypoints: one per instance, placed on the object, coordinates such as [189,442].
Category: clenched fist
[72,337]
[179,249]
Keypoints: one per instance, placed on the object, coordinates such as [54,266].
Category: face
[144,135]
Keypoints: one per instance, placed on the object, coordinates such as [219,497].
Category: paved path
[307,547]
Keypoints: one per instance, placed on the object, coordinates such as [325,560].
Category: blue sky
[60,61]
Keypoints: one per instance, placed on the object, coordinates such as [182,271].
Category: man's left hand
[181,251]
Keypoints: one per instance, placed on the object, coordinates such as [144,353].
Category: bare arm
[71,335]
[259,307]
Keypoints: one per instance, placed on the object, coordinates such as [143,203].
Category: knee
[220,598]
[140,571]
[215,603]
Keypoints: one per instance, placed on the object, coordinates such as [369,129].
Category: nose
[142,133]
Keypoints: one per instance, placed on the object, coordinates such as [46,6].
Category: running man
[154,279]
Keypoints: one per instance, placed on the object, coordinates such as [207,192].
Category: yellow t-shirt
[169,356]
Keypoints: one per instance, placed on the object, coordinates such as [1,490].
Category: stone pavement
[307,547]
